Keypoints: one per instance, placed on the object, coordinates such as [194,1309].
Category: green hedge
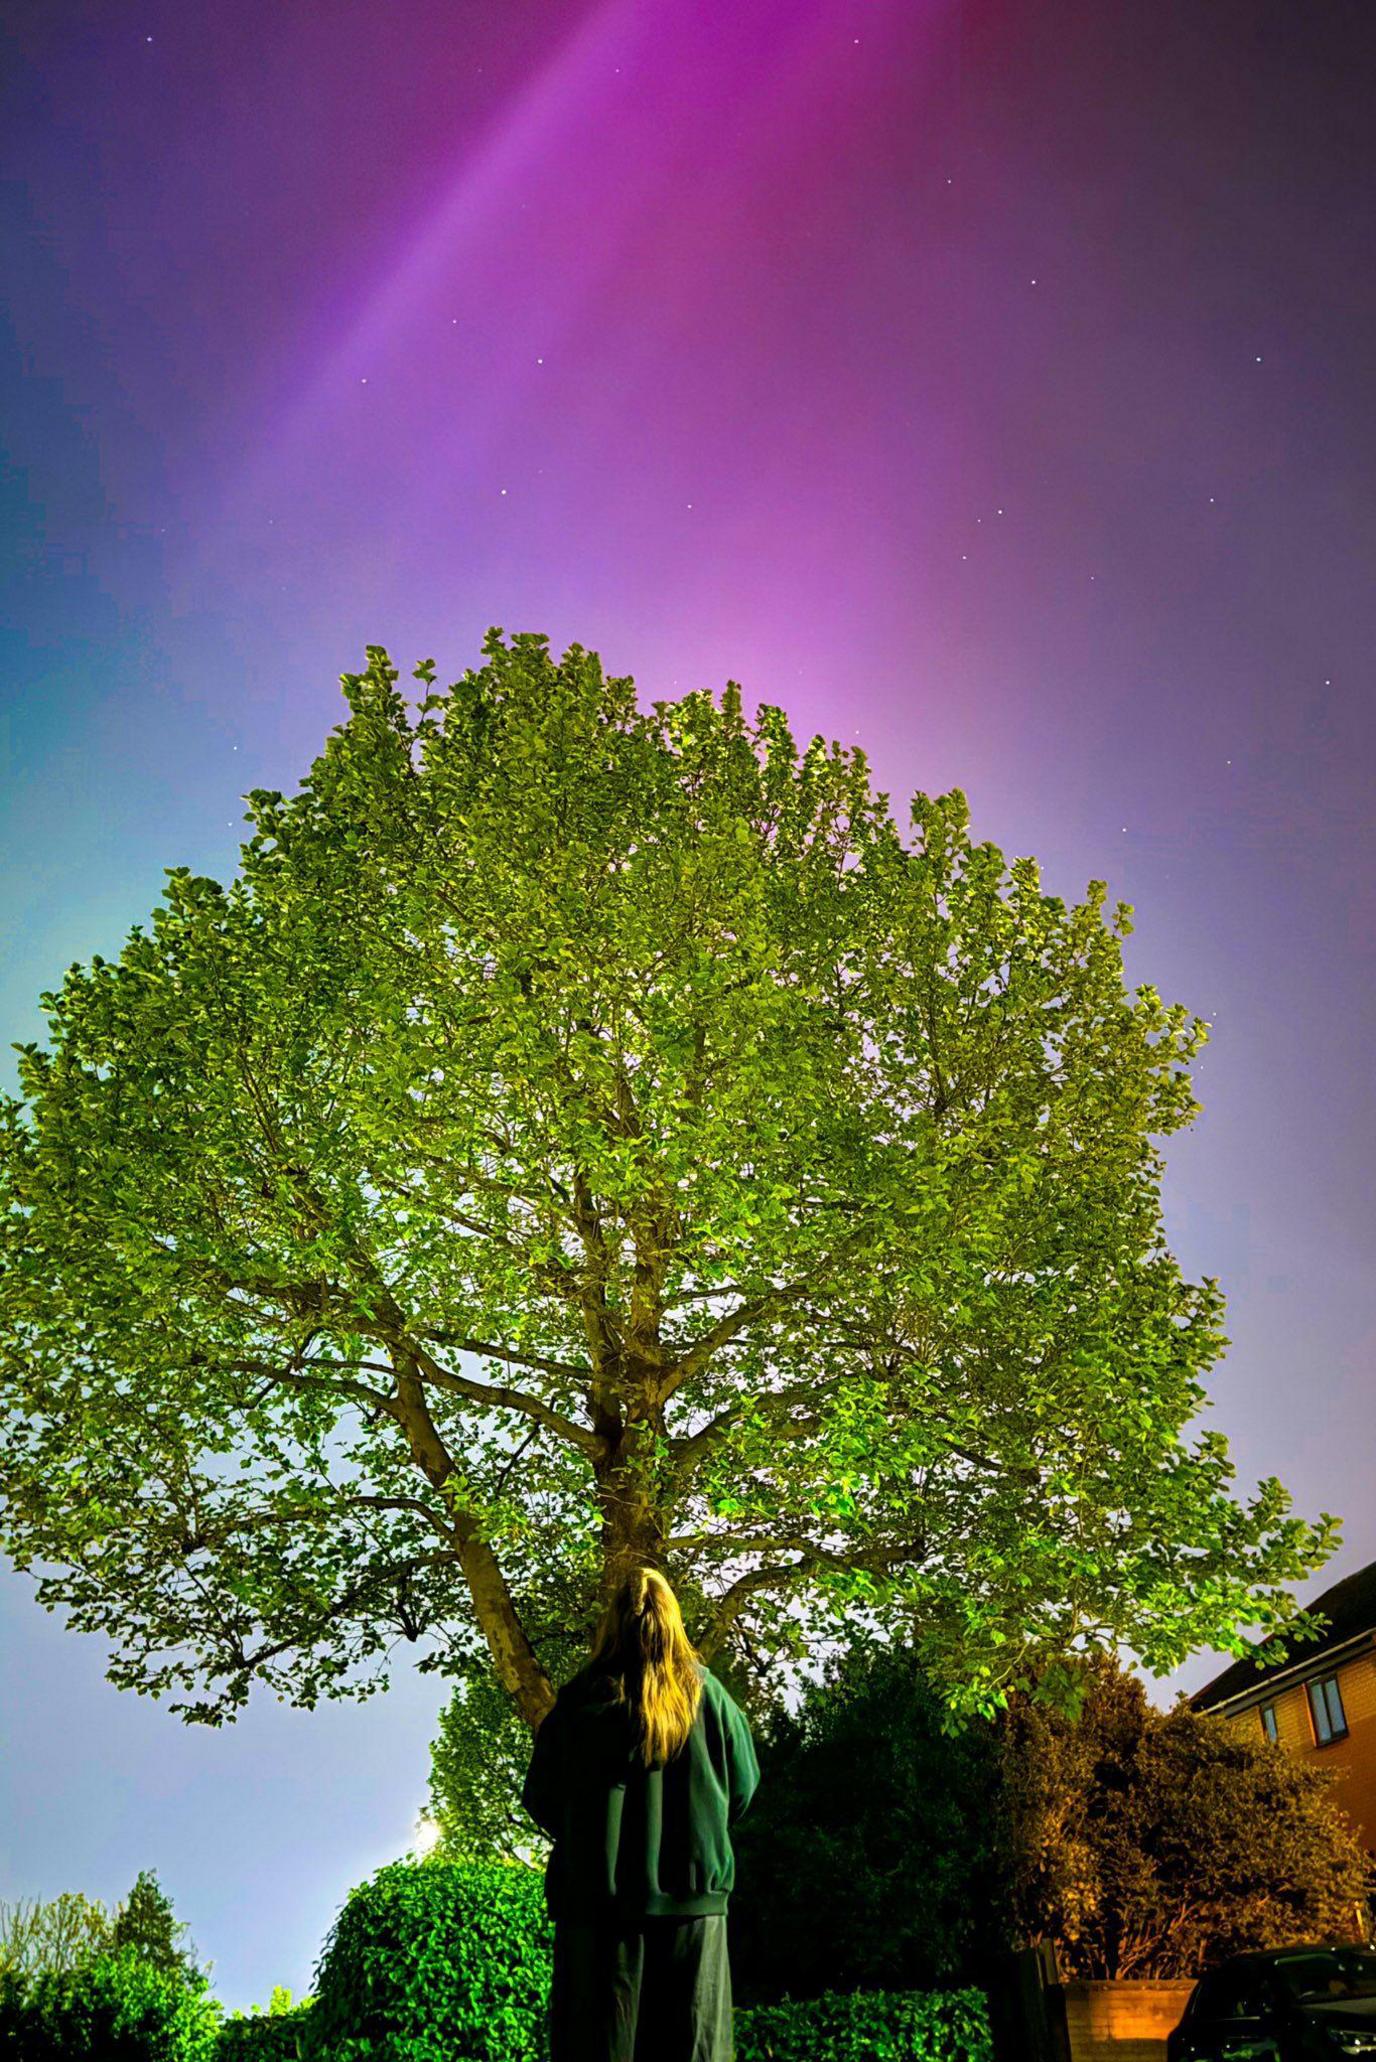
[871,2026]
[450,1962]
[266,2036]
[116,2009]
[436,1960]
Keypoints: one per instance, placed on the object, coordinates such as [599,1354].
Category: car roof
[1253,1955]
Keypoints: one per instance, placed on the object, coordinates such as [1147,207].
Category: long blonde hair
[655,1670]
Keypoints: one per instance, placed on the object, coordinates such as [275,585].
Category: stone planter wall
[1122,2022]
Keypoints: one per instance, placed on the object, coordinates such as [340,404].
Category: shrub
[1148,1843]
[281,2034]
[433,1960]
[117,2008]
[880,2026]
[882,1884]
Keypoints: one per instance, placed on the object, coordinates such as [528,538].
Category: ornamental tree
[1154,1844]
[584,1134]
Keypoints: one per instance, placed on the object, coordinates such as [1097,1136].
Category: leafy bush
[281,2034]
[117,2008]
[433,1960]
[878,2026]
[1148,1843]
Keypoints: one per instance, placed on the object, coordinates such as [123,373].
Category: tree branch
[733,1601]
[687,1451]
[573,1434]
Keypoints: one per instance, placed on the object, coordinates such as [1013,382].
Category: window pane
[1323,1731]
[1337,1717]
[1268,1721]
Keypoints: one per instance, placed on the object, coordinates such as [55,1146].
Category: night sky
[989,383]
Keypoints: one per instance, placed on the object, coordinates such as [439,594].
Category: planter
[1122,2022]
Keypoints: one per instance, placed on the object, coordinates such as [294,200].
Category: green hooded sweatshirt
[632,1840]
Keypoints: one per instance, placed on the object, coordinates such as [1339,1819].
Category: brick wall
[1353,1758]
[1122,2022]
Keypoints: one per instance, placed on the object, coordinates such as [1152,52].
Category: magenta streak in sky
[601,201]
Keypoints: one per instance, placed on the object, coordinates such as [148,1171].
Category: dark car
[1290,2005]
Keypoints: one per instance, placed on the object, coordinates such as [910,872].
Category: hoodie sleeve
[743,1766]
[541,1792]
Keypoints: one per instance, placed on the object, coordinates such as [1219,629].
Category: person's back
[649,1841]
[638,1773]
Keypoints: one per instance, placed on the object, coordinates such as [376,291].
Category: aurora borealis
[987,383]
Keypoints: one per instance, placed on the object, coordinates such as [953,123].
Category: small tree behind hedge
[866,1861]
[281,2033]
[1146,1844]
[67,1932]
[145,1925]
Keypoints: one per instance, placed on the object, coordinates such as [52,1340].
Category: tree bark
[633,1524]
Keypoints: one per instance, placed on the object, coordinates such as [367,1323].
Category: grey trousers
[658,1990]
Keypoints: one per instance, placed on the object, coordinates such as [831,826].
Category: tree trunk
[513,1657]
[633,1525]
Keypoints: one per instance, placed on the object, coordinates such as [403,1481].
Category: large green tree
[581,1134]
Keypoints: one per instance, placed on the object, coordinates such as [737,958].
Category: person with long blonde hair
[638,1772]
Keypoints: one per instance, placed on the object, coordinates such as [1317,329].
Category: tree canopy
[145,1925]
[584,1133]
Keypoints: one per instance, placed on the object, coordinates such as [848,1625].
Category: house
[1321,1704]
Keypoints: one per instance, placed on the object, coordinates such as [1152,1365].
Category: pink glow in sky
[987,381]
